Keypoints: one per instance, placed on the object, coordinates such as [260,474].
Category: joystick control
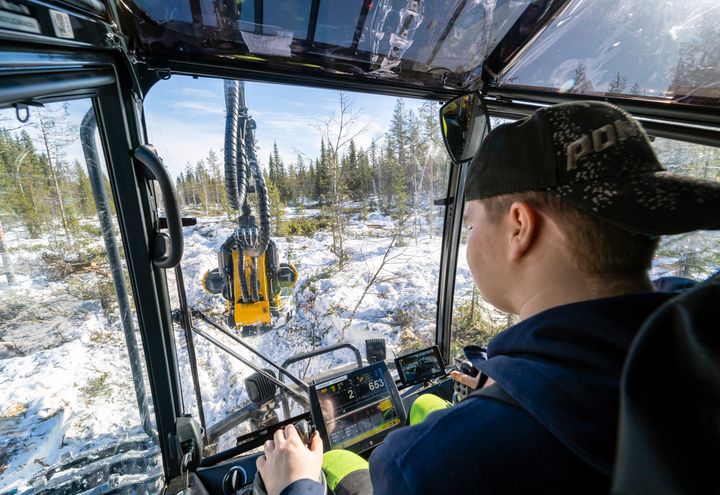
[461,391]
[306,430]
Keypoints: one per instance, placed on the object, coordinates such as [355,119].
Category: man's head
[573,193]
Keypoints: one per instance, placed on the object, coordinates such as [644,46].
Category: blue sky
[185,117]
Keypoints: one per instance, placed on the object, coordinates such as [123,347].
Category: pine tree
[26,188]
[203,184]
[322,175]
[217,179]
[56,133]
[581,84]
[301,180]
[436,160]
[312,181]
[272,170]
[191,186]
[351,171]
[281,180]
[398,137]
[618,84]
[364,175]
[83,190]
[277,208]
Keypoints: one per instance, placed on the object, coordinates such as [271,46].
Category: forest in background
[40,190]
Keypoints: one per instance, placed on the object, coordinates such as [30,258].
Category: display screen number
[373,385]
[376,384]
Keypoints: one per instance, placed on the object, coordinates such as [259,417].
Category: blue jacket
[562,367]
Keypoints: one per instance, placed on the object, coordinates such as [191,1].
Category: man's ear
[523,221]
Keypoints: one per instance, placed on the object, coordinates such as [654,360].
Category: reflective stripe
[424,405]
[337,464]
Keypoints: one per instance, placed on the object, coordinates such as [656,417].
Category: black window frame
[33,75]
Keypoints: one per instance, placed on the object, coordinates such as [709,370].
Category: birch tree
[337,130]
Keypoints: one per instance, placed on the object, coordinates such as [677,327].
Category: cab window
[351,183]
[75,396]
[692,255]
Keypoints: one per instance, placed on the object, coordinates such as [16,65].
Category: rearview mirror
[462,123]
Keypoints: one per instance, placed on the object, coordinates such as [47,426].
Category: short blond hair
[597,247]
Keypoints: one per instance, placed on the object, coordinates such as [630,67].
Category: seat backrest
[669,434]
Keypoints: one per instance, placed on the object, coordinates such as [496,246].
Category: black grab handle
[168,247]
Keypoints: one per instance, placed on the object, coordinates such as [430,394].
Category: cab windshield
[356,235]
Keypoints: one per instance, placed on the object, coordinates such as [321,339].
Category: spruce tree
[217,179]
[618,84]
[581,82]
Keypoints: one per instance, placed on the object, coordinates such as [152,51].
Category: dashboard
[354,411]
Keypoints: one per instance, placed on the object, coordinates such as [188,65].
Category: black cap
[599,159]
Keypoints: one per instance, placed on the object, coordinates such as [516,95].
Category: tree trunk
[7,267]
[36,215]
[431,196]
[206,197]
[65,224]
[337,213]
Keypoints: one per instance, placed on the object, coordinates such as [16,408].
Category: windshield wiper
[283,371]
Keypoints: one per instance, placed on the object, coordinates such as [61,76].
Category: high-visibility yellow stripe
[424,405]
[339,463]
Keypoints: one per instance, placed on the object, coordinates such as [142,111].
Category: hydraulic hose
[232,97]
[241,164]
[244,293]
[260,189]
[254,284]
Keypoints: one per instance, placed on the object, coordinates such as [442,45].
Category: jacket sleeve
[386,472]
[388,479]
[303,487]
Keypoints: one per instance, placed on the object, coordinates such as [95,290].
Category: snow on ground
[64,371]
[399,306]
[65,379]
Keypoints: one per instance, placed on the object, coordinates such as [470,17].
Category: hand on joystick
[287,460]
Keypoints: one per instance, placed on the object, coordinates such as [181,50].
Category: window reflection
[654,49]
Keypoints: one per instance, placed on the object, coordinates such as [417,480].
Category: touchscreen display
[357,407]
[420,366]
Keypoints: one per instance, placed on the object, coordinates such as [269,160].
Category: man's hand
[470,381]
[287,460]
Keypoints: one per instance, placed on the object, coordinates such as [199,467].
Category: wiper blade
[199,314]
[299,397]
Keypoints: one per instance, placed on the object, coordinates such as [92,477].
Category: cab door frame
[34,72]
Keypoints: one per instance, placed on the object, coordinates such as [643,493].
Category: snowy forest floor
[65,377]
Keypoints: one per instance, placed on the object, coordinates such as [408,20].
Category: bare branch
[367,287]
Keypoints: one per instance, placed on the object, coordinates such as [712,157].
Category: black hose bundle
[260,188]
[235,177]
[241,165]
[244,293]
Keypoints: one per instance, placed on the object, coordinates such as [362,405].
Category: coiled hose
[240,163]
[260,188]
[235,177]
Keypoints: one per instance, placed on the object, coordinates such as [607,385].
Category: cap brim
[654,203]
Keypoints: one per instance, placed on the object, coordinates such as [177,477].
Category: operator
[564,210]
